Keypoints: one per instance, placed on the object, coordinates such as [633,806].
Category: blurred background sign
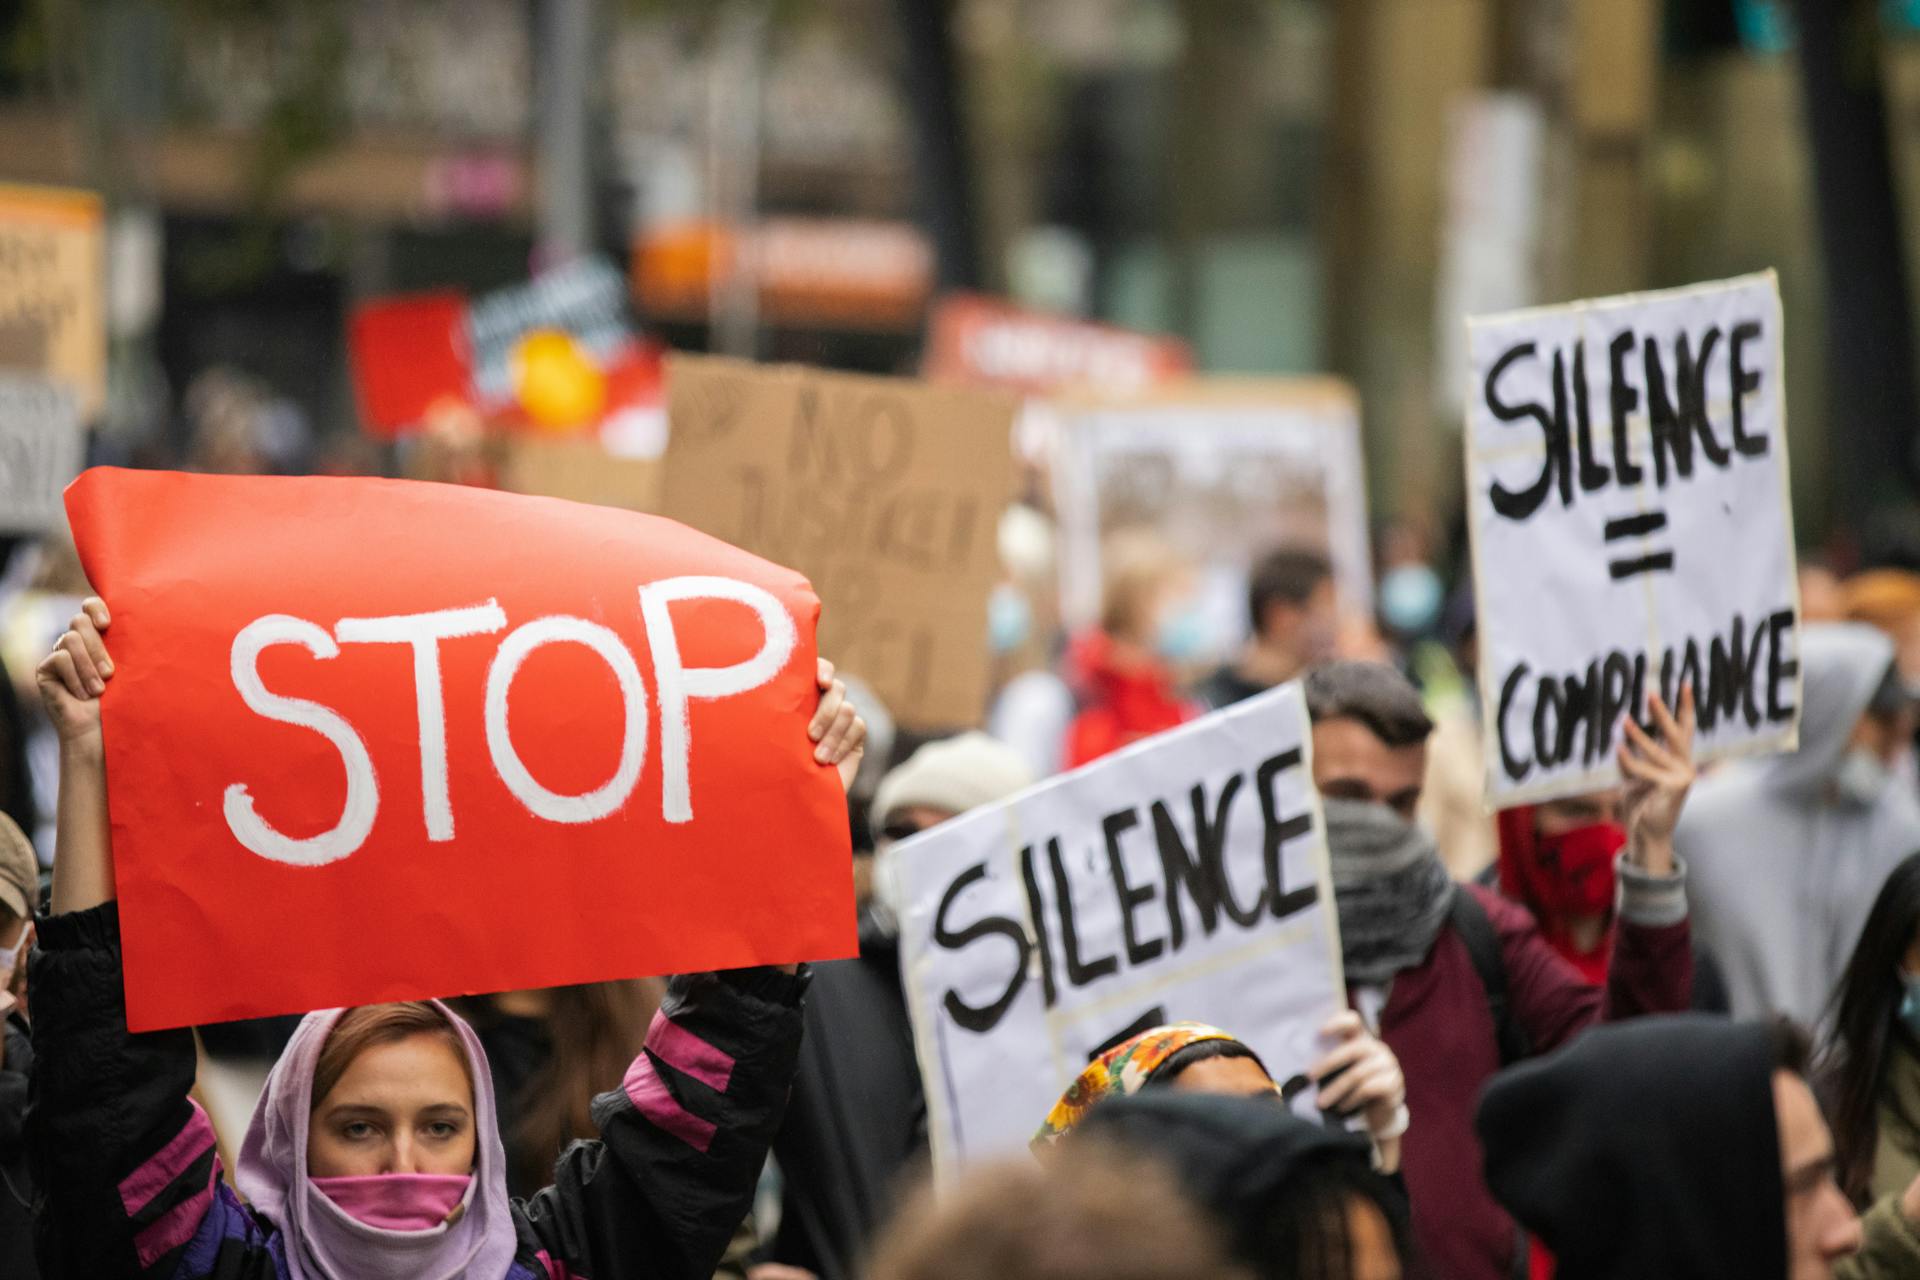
[988,342]
[41,447]
[858,273]
[1224,470]
[52,299]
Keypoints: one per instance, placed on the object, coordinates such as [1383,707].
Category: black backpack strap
[1470,921]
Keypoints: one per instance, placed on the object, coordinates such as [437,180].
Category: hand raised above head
[1658,775]
[72,677]
[838,732]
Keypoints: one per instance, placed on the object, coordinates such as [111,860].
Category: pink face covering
[322,1239]
[397,1201]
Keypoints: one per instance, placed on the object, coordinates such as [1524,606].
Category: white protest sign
[1226,469]
[1182,878]
[1627,479]
[41,449]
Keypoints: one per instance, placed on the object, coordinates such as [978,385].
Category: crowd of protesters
[1666,1029]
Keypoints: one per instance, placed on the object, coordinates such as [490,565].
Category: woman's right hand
[75,674]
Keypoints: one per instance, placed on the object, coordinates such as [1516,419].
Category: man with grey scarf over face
[1457,980]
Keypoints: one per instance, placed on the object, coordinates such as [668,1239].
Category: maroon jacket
[1437,1022]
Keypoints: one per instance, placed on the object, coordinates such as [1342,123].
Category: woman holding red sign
[374,1151]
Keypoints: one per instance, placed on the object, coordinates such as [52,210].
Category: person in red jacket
[1124,671]
[1457,980]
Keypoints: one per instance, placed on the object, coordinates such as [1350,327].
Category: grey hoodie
[1782,873]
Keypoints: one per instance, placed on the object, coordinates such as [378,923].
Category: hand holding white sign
[1658,777]
[1627,488]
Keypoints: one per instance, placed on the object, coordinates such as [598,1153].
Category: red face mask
[1574,870]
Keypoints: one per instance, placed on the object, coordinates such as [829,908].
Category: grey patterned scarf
[1389,887]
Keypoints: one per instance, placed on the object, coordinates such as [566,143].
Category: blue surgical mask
[1410,597]
[1910,1003]
[1182,634]
[1009,619]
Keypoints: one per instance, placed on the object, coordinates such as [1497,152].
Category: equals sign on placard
[1638,527]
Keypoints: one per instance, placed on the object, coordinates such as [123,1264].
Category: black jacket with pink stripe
[130,1181]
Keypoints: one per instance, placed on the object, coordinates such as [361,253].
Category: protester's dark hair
[595,1029]
[1791,1045]
[1373,693]
[1306,1236]
[1281,1189]
[367,1025]
[1853,1067]
[1201,1051]
[1287,575]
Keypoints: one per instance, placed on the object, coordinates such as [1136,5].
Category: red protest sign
[408,353]
[985,341]
[376,740]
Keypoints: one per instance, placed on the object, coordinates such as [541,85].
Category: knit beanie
[953,774]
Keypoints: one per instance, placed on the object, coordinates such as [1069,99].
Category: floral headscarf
[1120,1071]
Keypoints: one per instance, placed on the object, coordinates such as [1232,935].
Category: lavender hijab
[321,1241]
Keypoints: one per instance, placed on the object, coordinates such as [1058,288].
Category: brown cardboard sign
[52,299]
[886,493]
[579,468]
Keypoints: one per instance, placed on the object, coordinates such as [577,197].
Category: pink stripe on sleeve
[556,1270]
[176,1226]
[194,1140]
[651,1096]
[688,1054]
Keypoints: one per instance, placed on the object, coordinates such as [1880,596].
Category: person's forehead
[1804,1139]
[1346,742]
[920,816]
[1232,1076]
[419,1070]
[1586,802]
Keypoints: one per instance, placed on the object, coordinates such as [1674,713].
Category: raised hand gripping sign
[377,740]
[1631,529]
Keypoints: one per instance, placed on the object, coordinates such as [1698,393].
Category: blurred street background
[1287,185]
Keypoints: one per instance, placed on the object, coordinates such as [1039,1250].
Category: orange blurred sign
[988,342]
[822,271]
[52,296]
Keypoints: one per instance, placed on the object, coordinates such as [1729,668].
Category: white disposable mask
[1861,777]
[10,956]
[884,904]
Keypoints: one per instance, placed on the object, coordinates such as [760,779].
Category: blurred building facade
[1291,185]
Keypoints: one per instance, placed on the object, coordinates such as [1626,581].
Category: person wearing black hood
[1298,1201]
[1686,1147]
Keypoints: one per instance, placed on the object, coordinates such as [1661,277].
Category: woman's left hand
[1370,1083]
[838,732]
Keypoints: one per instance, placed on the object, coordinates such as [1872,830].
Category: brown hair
[1091,1213]
[596,1030]
[367,1025]
[1135,563]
